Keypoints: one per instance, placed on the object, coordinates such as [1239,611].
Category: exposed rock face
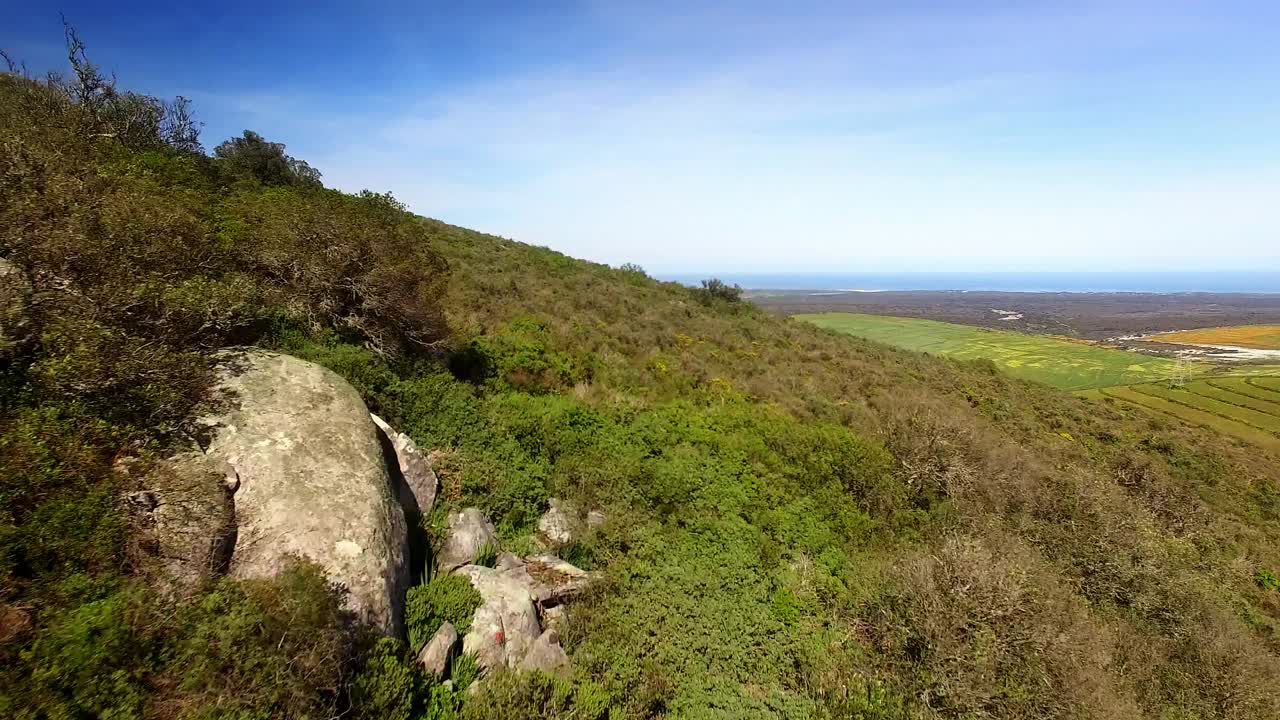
[506,623]
[546,655]
[435,655]
[564,522]
[15,308]
[553,618]
[508,561]
[192,517]
[595,519]
[313,481]
[559,524]
[420,485]
[469,532]
[553,581]
[506,631]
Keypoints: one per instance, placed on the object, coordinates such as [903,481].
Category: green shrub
[536,696]
[387,687]
[715,290]
[444,598]
[262,648]
[487,555]
[1268,580]
[248,649]
[465,670]
[518,356]
[91,661]
[858,698]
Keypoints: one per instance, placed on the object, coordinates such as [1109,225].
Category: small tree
[251,154]
[714,289]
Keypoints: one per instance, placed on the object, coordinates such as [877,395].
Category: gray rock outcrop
[546,655]
[313,481]
[553,581]
[559,524]
[418,484]
[469,532]
[505,625]
[564,522]
[436,654]
[520,615]
[553,618]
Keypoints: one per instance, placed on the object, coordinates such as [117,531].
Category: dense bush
[444,598]
[253,649]
[251,155]
[537,696]
[715,289]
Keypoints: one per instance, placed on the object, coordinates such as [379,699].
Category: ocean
[1145,282]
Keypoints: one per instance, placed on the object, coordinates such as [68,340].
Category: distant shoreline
[1240,282]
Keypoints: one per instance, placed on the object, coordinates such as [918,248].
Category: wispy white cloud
[725,140]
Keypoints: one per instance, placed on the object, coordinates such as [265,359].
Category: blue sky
[754,136]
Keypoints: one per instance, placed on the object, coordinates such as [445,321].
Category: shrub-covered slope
[809,516]
[799,523]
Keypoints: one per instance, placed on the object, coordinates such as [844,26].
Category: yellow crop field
[1261,337]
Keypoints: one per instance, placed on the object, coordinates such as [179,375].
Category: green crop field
[1127,396]
[1239,395]
[1246,386]
[1266,383]
[1234,406]
[1060,363]
[1193,395]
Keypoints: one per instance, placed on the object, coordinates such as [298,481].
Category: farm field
[1069,365]
[1220,404]
[1261,337]
[1195,395]
[1267,383]
[1246,386]
[1235,396]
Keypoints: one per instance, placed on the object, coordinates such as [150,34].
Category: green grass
[1203,418]
[1060,363]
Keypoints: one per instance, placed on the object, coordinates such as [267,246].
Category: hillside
[799,523]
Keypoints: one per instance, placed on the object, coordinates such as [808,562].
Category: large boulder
[416,483]
[505,625]
[469,533]
[313,481]
[15,308]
